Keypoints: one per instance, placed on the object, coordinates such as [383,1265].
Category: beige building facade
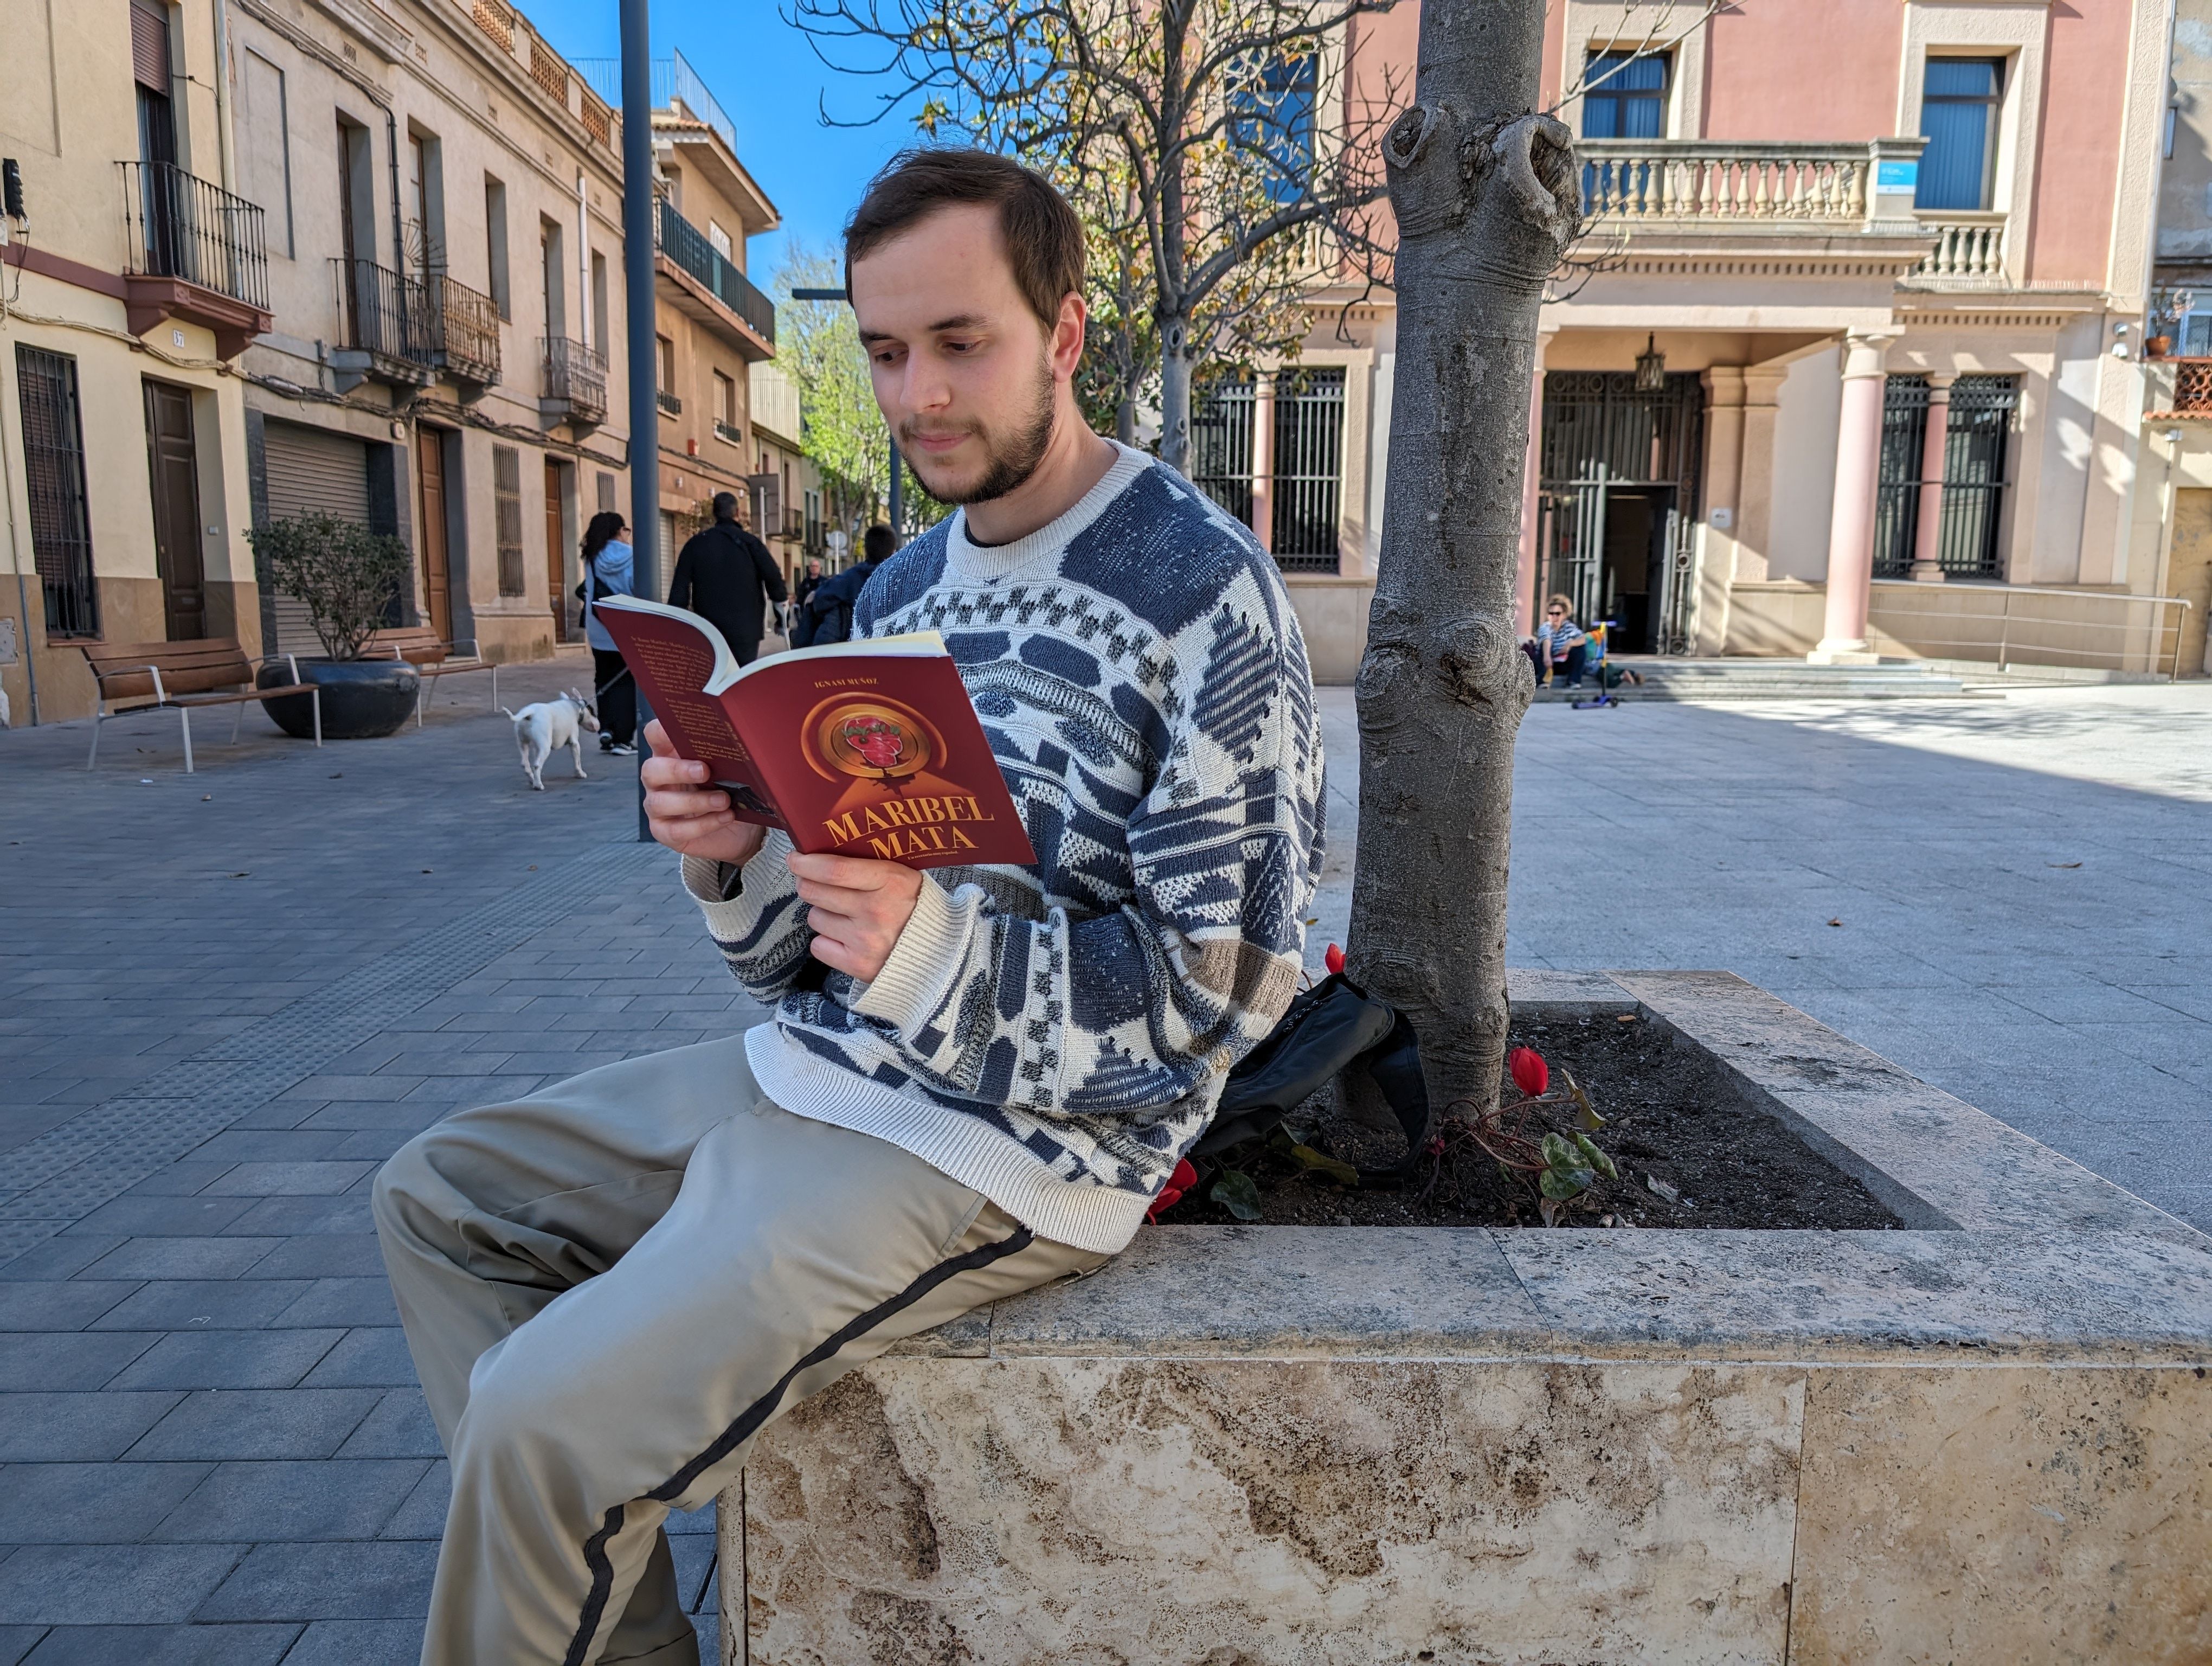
[443,195]
[131,282]
[711,322]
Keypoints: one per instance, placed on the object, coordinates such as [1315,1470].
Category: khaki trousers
[610,1287]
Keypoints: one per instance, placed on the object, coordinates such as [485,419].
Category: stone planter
[1982,1437]
[363,699]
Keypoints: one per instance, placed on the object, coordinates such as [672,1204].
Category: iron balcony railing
[181,226]
[464,327]
[687,246]
[729,433]
[676,85]
[577,374]
[384,313]
[669,404]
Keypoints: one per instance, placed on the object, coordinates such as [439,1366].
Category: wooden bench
[418,645]
[175,677]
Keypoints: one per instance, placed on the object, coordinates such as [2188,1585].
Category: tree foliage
[818,345]
[347,577]
[1213,148]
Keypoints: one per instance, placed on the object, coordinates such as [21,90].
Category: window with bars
[1221,443]
[1976,445]
[507,502]
[53,466]
[1304,454]
[1309,466]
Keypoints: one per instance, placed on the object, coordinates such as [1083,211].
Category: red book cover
[864,749]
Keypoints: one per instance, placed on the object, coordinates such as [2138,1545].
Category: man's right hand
[686,813]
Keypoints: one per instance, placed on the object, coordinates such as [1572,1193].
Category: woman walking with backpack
[608,571]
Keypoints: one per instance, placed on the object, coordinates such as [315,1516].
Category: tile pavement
[208,1420]
[210,1430]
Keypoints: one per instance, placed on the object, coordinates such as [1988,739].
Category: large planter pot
[1978,1438]
[362,698]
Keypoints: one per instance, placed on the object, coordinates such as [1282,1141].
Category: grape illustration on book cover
[866,749]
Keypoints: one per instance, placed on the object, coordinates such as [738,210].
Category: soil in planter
[1671,1113]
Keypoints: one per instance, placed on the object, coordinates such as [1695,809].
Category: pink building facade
[1856,368]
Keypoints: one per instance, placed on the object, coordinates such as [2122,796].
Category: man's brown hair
[1044,238]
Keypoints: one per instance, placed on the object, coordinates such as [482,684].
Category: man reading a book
[974,1080]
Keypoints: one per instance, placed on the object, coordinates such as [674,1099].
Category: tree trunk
[1174,394]
[1486,197]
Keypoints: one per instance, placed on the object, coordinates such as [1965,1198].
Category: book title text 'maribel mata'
[863,749]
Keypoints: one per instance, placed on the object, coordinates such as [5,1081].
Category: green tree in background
[818,344]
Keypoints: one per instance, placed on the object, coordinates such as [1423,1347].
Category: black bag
[599,593]
[1331,1028]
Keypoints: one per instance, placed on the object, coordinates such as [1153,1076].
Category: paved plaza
[225,998]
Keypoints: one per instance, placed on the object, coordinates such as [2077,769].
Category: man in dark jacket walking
[727,577]
[830,610]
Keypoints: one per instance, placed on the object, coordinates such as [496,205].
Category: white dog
[542,729]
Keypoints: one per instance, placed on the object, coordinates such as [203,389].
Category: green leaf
[1335,1168]
[1562,1184]
[1236,1193]
[1597,1158]
[1559,1154]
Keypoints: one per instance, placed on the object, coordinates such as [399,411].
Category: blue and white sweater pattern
[1057,1037]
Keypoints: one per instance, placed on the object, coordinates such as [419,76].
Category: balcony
[669,404]
[193,251]
[1736,215]
[707,288]
[384,326]
[2179,387]
[575,385]
[463,330]
[729,433]
[1969,252]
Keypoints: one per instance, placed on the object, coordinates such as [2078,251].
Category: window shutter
[149,45]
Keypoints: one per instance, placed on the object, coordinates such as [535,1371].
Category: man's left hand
[857,909]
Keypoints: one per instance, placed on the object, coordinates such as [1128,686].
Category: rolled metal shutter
[310,468]
[149,46]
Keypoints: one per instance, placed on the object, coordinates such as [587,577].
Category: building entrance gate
[1617,495]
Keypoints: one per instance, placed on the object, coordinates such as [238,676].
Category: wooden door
[556,552]
[174,464]
[2189,572]
[437,572]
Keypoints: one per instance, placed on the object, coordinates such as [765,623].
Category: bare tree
[1485,193]
[1199,138]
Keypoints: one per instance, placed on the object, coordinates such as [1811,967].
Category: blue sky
[768,81]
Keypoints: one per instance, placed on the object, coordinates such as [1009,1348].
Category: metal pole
[637,281]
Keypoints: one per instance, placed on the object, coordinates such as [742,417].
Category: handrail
[178,225]
[2155,629]
[688,247]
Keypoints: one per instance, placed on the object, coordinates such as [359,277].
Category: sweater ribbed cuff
[730,922]
[917,979]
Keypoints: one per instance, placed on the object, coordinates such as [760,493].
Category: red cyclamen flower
[1333,958]
[1180,1181]
[1530,1073]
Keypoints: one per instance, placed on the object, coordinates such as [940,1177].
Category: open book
[864,749]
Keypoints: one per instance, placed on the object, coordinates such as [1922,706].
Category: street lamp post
[644,360]
[898,482]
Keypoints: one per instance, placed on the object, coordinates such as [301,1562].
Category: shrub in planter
[349,579]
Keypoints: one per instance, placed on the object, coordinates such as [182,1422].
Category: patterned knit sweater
[1057,1037]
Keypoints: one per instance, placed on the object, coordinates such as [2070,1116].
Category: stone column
[1723,488]
[1531,473]
[1263,458]
[1928,534]
[1754,514]
[1851,522]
